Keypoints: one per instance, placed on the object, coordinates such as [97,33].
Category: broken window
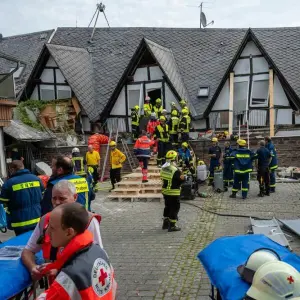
[260,92]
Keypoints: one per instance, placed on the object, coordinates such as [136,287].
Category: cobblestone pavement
[153,264]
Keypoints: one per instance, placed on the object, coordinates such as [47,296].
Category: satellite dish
[203,19]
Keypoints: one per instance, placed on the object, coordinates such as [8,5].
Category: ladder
[129,155]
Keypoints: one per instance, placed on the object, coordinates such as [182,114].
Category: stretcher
[15,280]
[222,257]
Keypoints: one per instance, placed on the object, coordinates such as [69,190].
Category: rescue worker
[274,163]
[147,107]
[157,108]
[227,166]
[15,155]
[163,138]
[174,108]
[78,162]
[62,168]
[84,270]
[182,103]
[184,125]
[164,113]
[242,160]
[63,192]
[173,125]
[184,154]
[92,158]
[152,124]
[117,158]
[264,158]
[22,195]
[90,180]
[172,180]
[215,154]
[135,122]
[142,150]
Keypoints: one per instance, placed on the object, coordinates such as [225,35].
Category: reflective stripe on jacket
[162,132]
[152,124]
[171,182]
[185,124]
[22,194]
[147,109]
[135,118]
[243,159]
[117,158]
[274,162]
[142,147]
[78,165]
[157,110]
[174,121]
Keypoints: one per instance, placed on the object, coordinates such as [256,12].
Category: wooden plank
[231,97]
[271,102]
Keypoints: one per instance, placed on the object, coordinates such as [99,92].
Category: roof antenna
[203,22]
[100,8]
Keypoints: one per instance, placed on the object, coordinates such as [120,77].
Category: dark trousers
[184,137]
[172,207]
[241,181]
[135,131]
[163,148]
[263,177]
[95,175]
[144,160]
[115,176]
[174,141]
[272,180]
[228,174]
[214,163]
[19,231]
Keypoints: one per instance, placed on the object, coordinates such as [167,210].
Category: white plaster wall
[51,62]
[260,65]
[140,74]
[156,73]
[120,106]
[222,102]
[242,67]
[284,117]
[251,49]
[170,97]
[280,97]
[35,95]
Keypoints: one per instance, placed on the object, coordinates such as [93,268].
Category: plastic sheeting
[222,257]
[16,278]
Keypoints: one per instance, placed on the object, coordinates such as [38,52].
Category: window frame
[266,100]
[203,87]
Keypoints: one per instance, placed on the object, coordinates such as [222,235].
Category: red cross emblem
[102,277]
[290,280]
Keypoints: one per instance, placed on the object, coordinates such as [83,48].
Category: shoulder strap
[91,216]
[44,221]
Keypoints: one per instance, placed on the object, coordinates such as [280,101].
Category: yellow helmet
[136,107]
[214,140]
[182,101]
[172,155]
[201,162]
[174,113]
[91,170]
[184,111]
[226,133]
[112,143]
[242,143]
[185,144]
[158,101]
[162,118]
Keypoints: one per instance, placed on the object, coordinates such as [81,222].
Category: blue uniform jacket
[263,156]
[242,160]
[22,194]
[274,162]
[184,154]
[227,156]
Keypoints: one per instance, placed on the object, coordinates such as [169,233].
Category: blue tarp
[222,257]
[14,276]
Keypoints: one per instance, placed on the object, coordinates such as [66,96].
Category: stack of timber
[131,187]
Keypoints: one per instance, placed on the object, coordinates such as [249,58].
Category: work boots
[261,193]
[233,195]
[145,175]
[173,226]
[165,223]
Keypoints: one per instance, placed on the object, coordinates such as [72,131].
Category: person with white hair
[63,191]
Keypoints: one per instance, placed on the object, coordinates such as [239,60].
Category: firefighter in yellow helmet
[117,158]
[157,108]
[174,108]
[172,180]
[182,103]
[135,121]
[162,135]
[215,154]
[173,126]
[147,107]
[184,125]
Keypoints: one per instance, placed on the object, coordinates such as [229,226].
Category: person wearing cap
[173,125]
[147,107]
[157,108]
[215,154]
[163,137]
[117,158]
[174,108]
[242,161]
[227,166]
[135,122]
[184,154]
[263,161]
[79,162]
[273,164]
[184,125]
[172,180]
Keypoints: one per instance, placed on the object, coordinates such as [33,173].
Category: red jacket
[142,147]
[84,272]
[152,125]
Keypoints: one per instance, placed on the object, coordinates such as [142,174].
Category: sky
[23,16]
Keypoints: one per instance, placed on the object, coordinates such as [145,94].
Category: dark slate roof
[77,68]
[25,47]
[202,56]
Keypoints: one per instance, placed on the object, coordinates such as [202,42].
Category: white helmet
[153,115]
[75,150]
[256,260]
[164,111]
[275,280]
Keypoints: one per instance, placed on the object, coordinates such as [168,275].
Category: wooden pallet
[151,190]
[126,191]
[140,197]
[151,169]
[138,176]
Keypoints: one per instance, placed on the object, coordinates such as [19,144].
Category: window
[47,76]
[18,73]
[64,92]
[59,76]
[260,92]
[133,99]
[240,96]
[47,93]
[203,91]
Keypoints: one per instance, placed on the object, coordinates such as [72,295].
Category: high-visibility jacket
[242,160]
[152,124]
[78,162]
[162,132]
[135,118]
[274,162]
[50,253]
[142,147]
[85,272]
[173,124]
[22,194]
[184,124]
[157,110]
[170,176]
[147,109]
[117,158]
[174,109]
